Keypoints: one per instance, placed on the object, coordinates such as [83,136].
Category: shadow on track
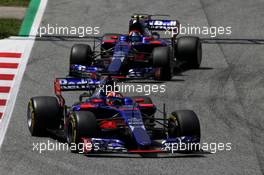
[149,155]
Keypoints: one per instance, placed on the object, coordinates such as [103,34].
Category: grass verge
[9,27]
[14,2]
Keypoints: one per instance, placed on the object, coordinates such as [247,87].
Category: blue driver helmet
[122,38]
[135,36]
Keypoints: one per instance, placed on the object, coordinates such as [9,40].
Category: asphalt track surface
[226,93]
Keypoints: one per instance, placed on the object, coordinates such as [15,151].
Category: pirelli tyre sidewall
[80,124]
[81,54]
[43,113]
[188,50]
[162,62]
[71,131]
[31,117]
[184,123]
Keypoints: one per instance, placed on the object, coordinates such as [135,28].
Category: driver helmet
[135,36]
[114,98]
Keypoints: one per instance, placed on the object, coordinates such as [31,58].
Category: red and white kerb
[9,63]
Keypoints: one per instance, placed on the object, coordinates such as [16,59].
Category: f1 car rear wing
[157,24]
[75,84]
[160,24]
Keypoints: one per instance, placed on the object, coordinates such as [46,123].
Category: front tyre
[43,113]
[80,124]
[184,123]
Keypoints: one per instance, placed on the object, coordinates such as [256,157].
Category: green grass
[9,27]
[14,2]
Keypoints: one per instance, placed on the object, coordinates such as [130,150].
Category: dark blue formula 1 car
[109,122]
[141,53]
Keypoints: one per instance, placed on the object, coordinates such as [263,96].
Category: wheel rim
[69,133]
[30,115]
[29,119]
[157,73]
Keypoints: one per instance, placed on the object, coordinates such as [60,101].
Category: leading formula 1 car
[109,122]
[141,53]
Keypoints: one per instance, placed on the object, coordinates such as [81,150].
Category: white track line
[2,108]
[9,60]
[4,95]
[6,82]
[8,71]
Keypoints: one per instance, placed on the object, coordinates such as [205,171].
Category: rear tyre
[188,50]
[162,74]
[184,123]
[81,54]
[162,63]
[43,113]
[80,124]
